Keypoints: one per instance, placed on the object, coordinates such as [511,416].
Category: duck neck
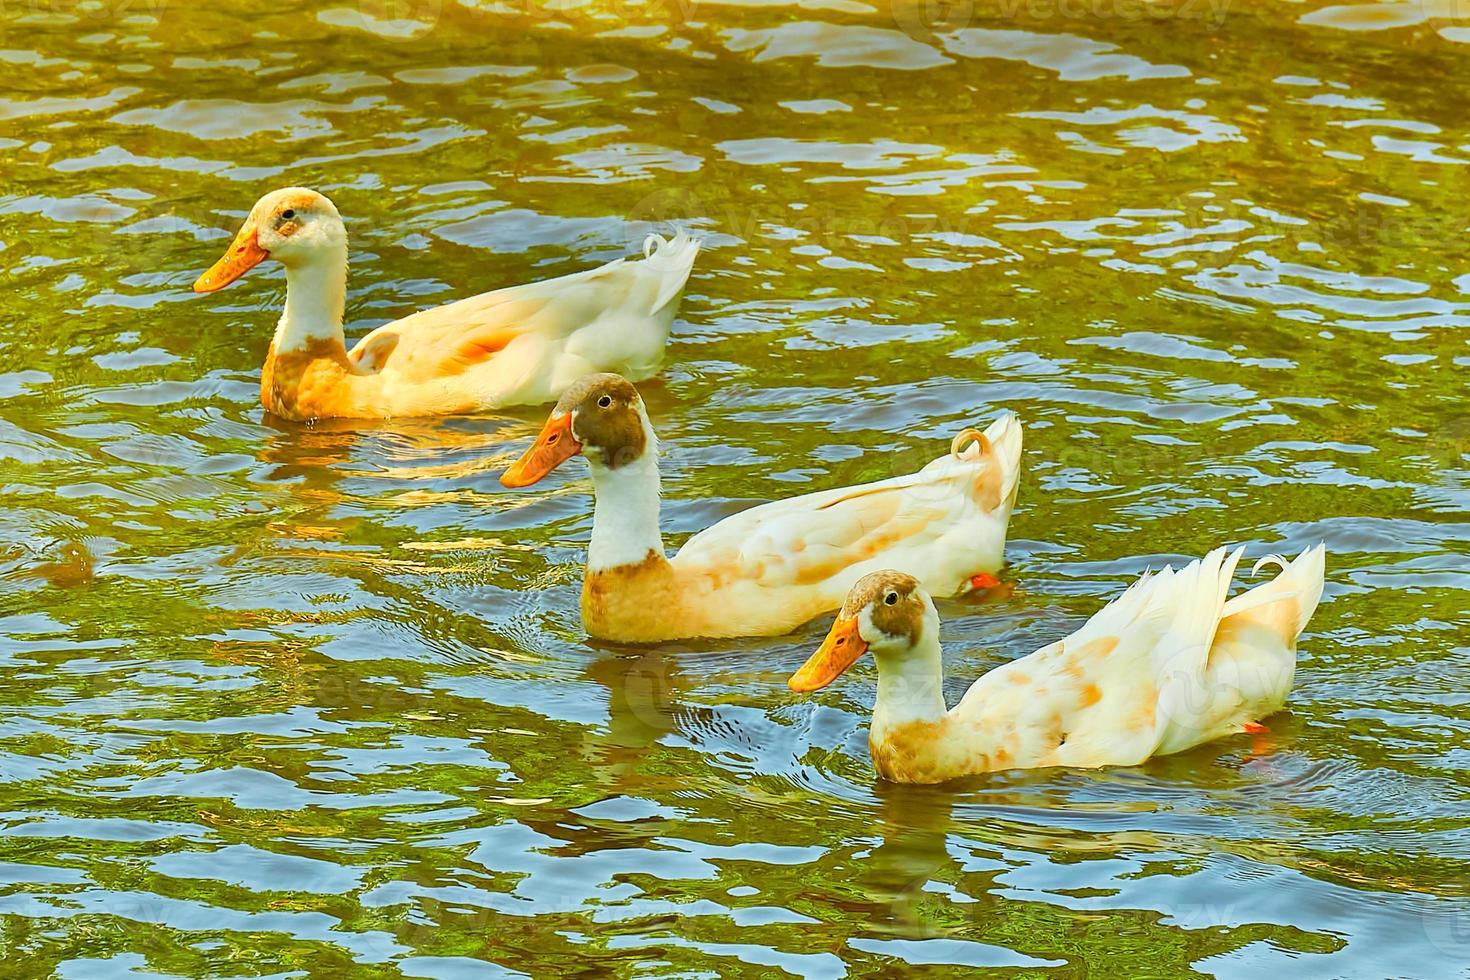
[625,514]
[910,684]
[316,295]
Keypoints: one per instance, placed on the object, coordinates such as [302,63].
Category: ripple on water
[316,698]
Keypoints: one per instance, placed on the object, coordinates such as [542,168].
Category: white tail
[1301,581]
[1197,594]
[673,260]
[1000,445]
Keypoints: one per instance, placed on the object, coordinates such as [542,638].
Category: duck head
[296,226]
[601,417]
[887,612]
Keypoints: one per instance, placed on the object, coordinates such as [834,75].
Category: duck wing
[1125,686]
[942,524]
[627,305]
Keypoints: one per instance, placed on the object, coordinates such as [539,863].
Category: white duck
[1167,665]
[514,346]
[769,569]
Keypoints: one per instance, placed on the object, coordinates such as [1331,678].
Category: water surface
[285,700]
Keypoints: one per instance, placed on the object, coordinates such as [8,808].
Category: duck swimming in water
[1166,666]
[518,345]
[771,568]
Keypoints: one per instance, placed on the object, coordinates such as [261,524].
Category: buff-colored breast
[642,603]
[315,381]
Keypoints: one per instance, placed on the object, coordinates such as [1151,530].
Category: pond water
[289,700]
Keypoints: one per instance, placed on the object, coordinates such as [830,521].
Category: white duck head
[296,226]
[302,230]
[887,612]
[601,417]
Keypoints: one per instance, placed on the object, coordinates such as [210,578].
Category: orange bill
[245,254]
[554,446]
[839,651]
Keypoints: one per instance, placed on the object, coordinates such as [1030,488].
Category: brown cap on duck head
[896,609]
[597,416]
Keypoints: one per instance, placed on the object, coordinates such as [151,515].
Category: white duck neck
[625,512]
[316,296]
[910,683]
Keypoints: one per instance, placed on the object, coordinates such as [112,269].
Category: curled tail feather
[673,259]
[997,450]
[958,445]
[1286,603]
[1276,560]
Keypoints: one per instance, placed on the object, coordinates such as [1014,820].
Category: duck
[521,345]
[1168,665]
[775,566]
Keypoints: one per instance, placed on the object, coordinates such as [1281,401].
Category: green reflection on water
[287,699]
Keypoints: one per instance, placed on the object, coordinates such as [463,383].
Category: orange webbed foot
[1261,742]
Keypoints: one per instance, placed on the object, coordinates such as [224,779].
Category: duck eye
[605,401]
[891,598]
[288,214]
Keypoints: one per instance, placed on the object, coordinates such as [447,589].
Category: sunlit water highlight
[284,700]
